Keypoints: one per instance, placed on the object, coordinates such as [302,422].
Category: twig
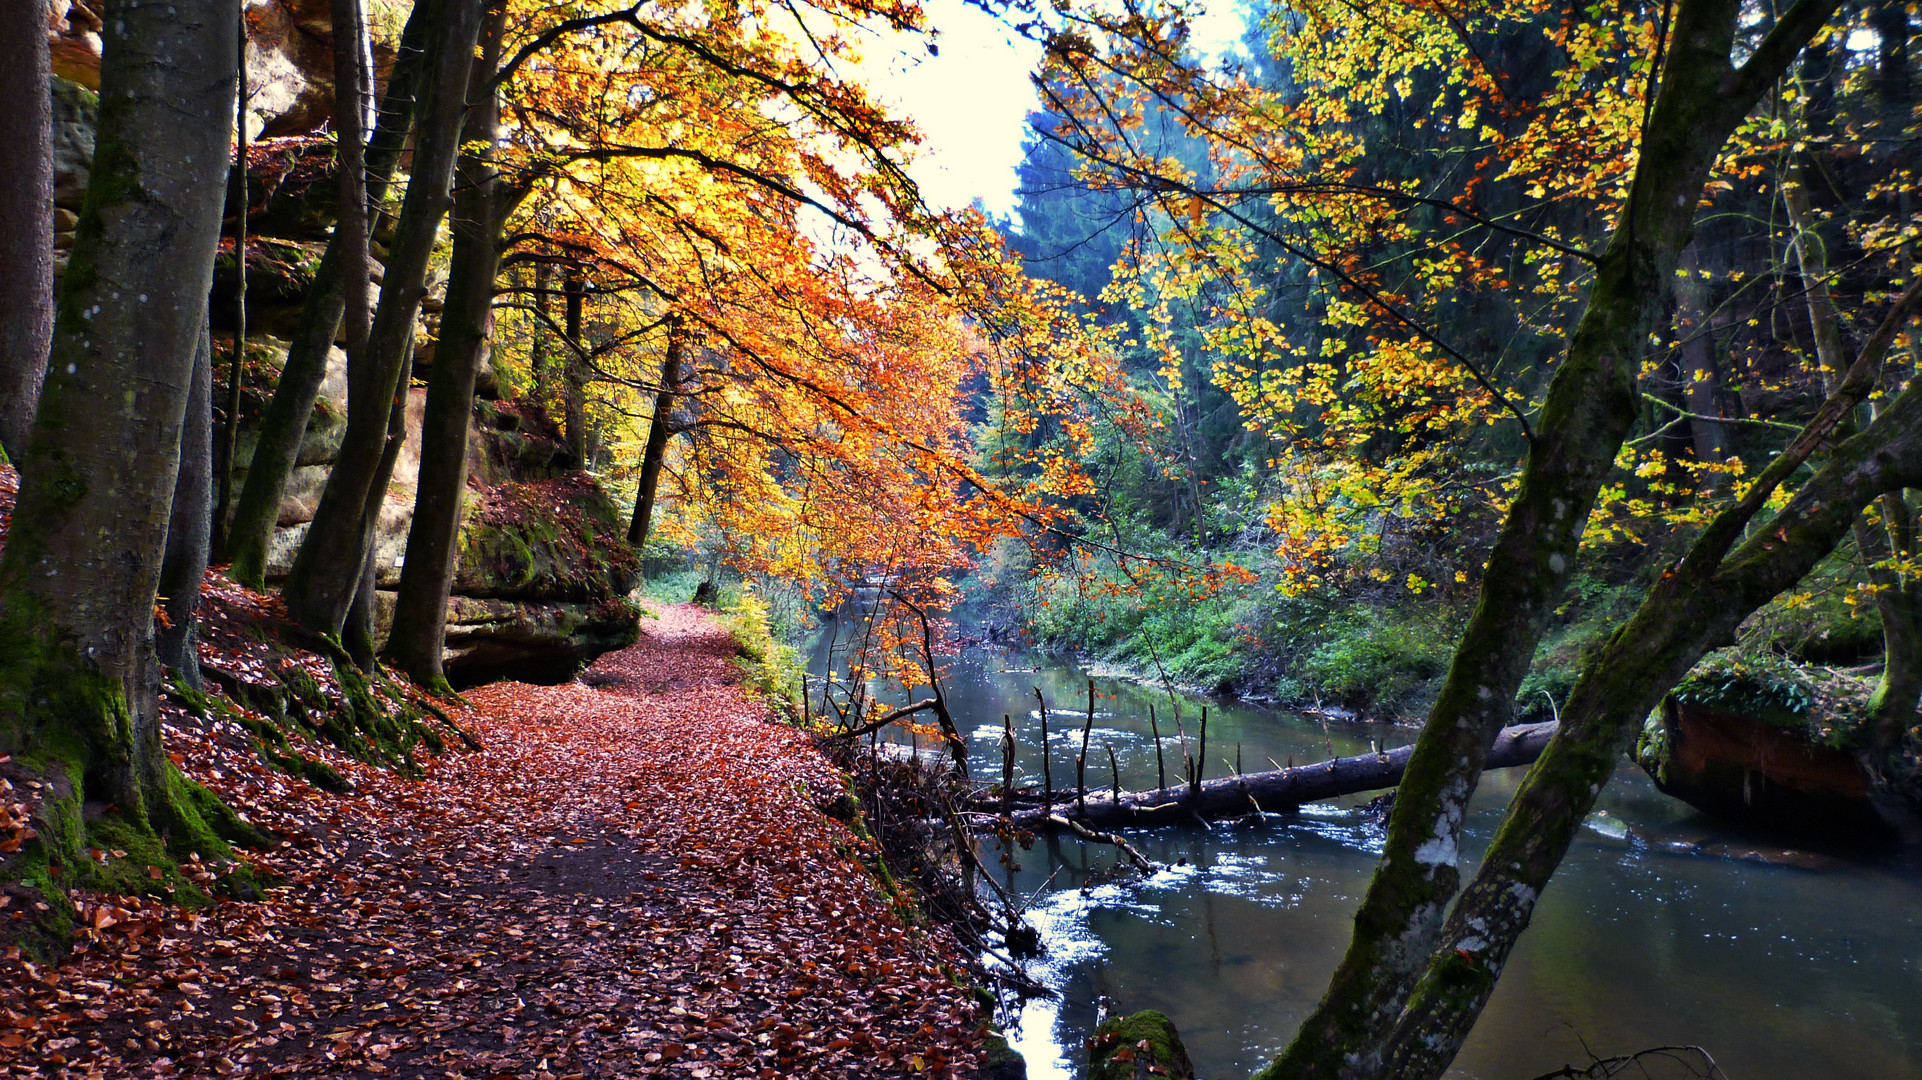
[1139,860]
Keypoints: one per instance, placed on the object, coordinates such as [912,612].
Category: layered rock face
[544,574]
[1741,768]
[542,584]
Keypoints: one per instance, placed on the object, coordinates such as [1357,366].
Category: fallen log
[1267,792]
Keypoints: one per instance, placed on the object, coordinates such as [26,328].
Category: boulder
[1144,1045]
[1749,770]
[73,40]
[532,641]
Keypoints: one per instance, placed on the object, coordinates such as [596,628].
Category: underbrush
[1374,654]
[771,667]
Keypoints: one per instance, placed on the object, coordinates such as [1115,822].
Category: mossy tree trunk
[78,676]
[482,203]
[1695,607]
[326,572]
[1592,402]
[284,424]
[658,432]
[26,218]
[190,523]
[1879,542]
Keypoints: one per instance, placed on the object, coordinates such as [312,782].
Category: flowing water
[1800,970]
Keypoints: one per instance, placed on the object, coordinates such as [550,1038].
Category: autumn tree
[78,578]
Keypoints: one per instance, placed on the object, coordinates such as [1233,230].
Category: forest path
[631,879]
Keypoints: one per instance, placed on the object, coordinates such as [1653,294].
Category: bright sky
[971,102]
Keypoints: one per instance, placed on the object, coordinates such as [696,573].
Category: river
[1780,971]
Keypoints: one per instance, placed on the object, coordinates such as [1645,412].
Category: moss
[1000,1061]
[1119,1042]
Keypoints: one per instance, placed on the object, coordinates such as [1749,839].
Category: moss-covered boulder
[1143,1045]
[1765,742]
[557,540]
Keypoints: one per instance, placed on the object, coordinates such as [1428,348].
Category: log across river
[1274,791]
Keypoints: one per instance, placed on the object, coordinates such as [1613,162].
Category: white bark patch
[1437,851]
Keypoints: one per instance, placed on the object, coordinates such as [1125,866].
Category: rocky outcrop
[542,584]
[290,59]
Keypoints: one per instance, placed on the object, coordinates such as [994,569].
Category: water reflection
[1781,972]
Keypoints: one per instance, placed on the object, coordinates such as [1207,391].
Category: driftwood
[1268,792]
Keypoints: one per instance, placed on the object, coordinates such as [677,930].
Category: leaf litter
[630,879]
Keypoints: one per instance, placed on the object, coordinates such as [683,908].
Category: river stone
[1145,1044]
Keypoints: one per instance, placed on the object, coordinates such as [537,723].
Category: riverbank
[629,877]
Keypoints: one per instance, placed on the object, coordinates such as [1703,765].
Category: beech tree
[26,217]
[284,423]
[332,560]
[482,203]
[78,675]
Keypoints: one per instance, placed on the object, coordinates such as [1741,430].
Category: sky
[971,102]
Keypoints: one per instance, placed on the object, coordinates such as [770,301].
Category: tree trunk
[26,218]
[189,524]
[284,425]
[658,432]
[1709,434]
[1274,791]
[326,571]
[78,579]
[358,632]
[350,229]
[1591,404]
[230,408]
[1892,706]
[575,382]
[480,212]
[1695,607]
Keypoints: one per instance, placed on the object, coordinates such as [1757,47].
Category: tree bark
[78,579]
[284,425]
[658,433]
[575,403]
[1696,606]
[351,226]
[1274,791]
[481,207]
[230,409]
[1591,404]
[189,523]
[326,571]
[358,633]
[26,218]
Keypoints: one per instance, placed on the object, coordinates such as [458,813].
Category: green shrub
[771,669]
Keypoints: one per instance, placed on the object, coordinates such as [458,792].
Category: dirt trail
[630,880]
